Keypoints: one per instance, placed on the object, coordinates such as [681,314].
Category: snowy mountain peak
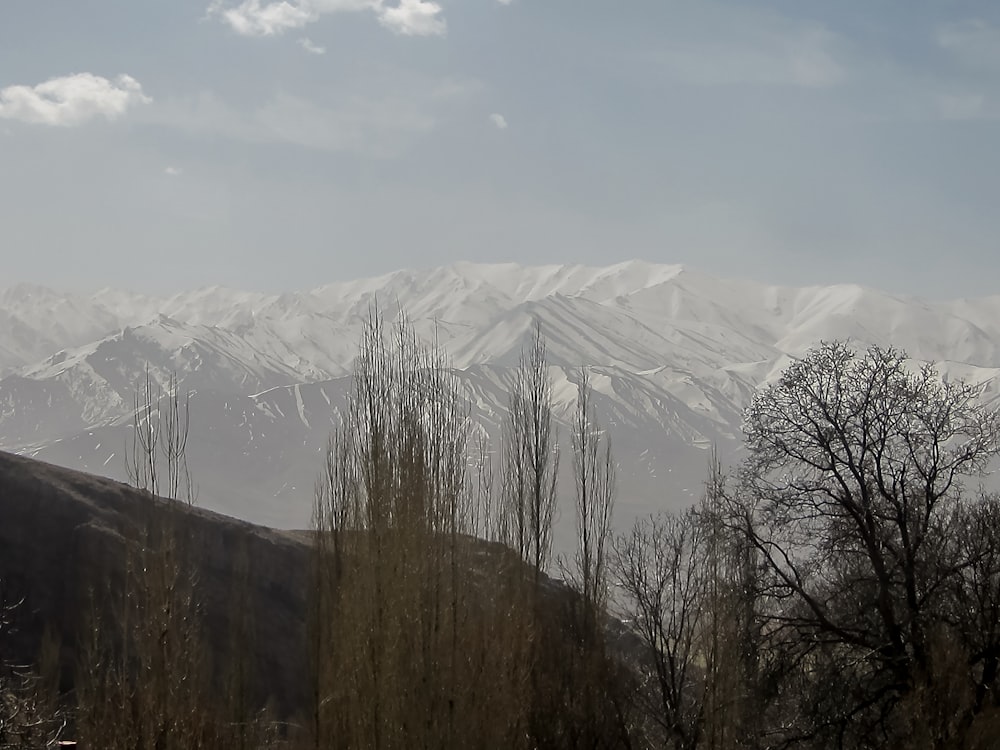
[676,355]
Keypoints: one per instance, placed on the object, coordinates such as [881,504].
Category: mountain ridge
[676,355]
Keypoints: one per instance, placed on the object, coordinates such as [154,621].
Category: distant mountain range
[675,357]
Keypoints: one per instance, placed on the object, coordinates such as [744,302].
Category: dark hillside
[69,543]
[63,535]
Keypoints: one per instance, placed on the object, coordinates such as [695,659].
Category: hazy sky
[278,145]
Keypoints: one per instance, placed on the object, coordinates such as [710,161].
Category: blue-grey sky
[279,145]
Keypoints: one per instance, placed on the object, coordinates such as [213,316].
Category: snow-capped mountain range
[675,356]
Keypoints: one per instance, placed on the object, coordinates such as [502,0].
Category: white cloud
[311,47]
[974,43]
[505,2]
[254,18]
[499,121]
[71,100]
[173,171]
[413,18]
[261,18]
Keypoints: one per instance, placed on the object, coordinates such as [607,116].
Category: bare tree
[662,572]
[531,458]
[687,586]
[740,679]
[409,650]
[853,502]
[594,473]
[974,609]
[145,675]
[157,458]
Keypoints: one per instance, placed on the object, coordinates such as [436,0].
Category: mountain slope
[65,540]
[676,355]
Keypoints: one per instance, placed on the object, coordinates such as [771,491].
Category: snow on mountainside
[35,322]
[676,355]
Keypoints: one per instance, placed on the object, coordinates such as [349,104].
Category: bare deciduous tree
[410,650]
[853,500]
[661,570]
[594,474]
[531,458]
[145,676]
[157,458]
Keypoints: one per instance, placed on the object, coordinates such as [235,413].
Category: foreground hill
[64,542]
[68,538]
